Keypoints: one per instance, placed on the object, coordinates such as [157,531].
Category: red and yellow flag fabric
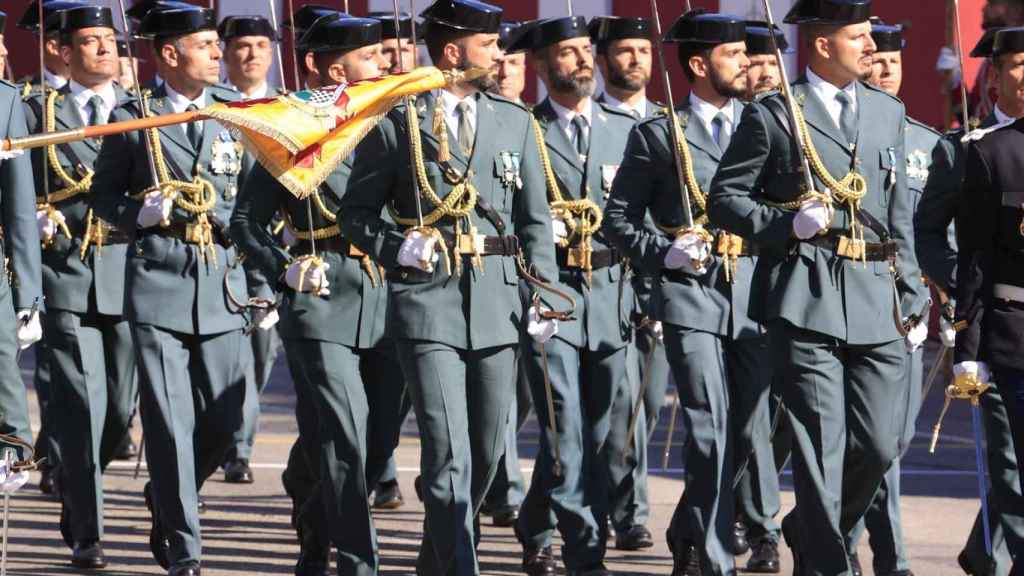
[300,138]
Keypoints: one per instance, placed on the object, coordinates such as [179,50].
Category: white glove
[540,329]
[558,230]
[288,238]
[48,222]
[305,275]
[916,336]
[10,154]
[156,208]
[658,331]
[10,481]
[30,330]
[947,62]
[813,217]
[979,369]
[689,252]
[947,333]
[418,252]
[265,318]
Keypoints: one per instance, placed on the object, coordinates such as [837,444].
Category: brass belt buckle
[578,257]
[851,248]
[198,233]
[471,244]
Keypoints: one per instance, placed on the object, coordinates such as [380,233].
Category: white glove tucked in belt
[308,275]
[156,208]
[689,252]
[418,251]
[540,329]
[813,217]
[49,221]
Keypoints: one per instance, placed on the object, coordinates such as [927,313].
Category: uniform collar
[827,91]
[81,95]
[707,111]
[614,102]
[257,94]
[1001,117]
[566,116]
[180,103]
[54,80]
[450,102]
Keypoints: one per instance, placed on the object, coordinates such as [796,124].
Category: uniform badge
[608,172]
[227,155]
[917,165]
[510,176]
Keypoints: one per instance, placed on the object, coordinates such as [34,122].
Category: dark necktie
[847,117]
[582,137]
[96,116]
[192,130]
[466,135]
[724,135]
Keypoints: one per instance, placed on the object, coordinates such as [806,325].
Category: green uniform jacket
[480,309]
[353,313]
[604,322]
[647,181]
[803,284]
[17,207]
[921,142]
[95,284]
[167,284]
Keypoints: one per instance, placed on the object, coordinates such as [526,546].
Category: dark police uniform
[832,311]
[183,285]
[456,333]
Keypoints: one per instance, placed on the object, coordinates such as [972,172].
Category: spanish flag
[300,138]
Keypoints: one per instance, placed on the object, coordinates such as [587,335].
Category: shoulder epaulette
[766,95]
[979,133]
[224,93]
[877,90]
[615,111]
[920,124]
[503,100]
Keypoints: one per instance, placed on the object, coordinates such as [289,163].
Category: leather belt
[1008,292]
[333,244]
[470,244]
[846,247]
[190,233]
[575,257]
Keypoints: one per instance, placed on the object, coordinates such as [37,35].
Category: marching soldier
[21,288]
[882,518]
[55,72]
[506,495]
[711,343]
[624,55]
[248,52]
[333,319]
[583,144]
[188,336]
[937,251]
[454,306]
[400,54]
[763,75]
[92,364]
[841,294]
[990,286]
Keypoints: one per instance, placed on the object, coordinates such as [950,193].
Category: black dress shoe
[970,569]
[158,544]
[593,570]
[686,561]
[740,545]
[855,569]
[636,537]
[539,562]
[46,480]
[88,555]
[765,557]
[237,471]
[417,486]
[312,565]
[505,516]
[190,569]
[126,450]
[387,496]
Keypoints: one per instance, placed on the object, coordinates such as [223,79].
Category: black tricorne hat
[305,16]
[235,26]
[605,29]
[700,28]
[82,17]
[983,49]
[465,15]
[1008,41]
[544,33]
[759,39]
[888,38]
[839,12]
[339,32]
[139,10]
[161,23]
[30,19]
[387,23]
[507,33]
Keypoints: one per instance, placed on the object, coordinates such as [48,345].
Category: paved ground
[246,529]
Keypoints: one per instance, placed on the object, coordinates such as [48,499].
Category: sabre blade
[965,113]
[410,103]
[137,92]
[277,45]
[673,120]
[9,460]
[982,476]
